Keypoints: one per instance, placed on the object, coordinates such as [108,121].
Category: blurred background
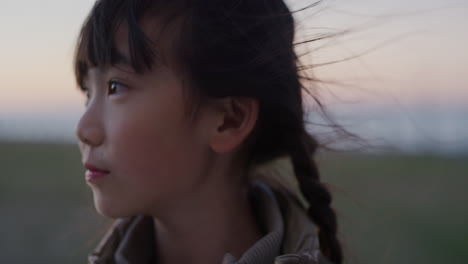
[400,82]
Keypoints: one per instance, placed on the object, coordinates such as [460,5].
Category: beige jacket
[291,237]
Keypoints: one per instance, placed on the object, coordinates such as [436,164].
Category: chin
[111,210]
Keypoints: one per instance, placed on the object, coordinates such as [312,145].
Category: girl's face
[136,127]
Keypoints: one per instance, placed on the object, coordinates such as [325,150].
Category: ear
[236,119]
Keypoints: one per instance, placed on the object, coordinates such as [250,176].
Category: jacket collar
[291,238]
[267,210]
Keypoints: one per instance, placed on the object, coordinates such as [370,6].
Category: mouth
[94,172]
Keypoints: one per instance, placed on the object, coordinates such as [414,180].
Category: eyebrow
[122,59]
[127,63]
[123,63]
[119,59]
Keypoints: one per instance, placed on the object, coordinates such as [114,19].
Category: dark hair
[228,48]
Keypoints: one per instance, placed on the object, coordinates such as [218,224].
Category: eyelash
[87,93]
[110,87]
[112,84]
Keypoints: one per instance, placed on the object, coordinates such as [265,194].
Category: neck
[216,220]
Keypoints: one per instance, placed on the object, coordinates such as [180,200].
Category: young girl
[186,100]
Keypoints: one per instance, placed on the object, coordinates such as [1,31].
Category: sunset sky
[418,56]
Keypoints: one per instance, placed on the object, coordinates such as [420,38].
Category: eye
[116,87]
[87,93]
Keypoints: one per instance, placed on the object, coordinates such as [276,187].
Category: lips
[93,172]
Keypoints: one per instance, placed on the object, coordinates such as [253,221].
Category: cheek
[145,147]
[157,156]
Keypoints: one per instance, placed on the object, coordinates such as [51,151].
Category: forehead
[160,34]
[137,45]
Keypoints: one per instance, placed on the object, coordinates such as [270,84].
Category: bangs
[96,45]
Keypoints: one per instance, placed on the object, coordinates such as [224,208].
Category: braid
[317,195]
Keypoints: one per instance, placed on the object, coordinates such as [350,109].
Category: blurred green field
[393,208]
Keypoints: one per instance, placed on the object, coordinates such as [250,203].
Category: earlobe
[238,119]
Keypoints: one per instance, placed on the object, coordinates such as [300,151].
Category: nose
[89,129]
